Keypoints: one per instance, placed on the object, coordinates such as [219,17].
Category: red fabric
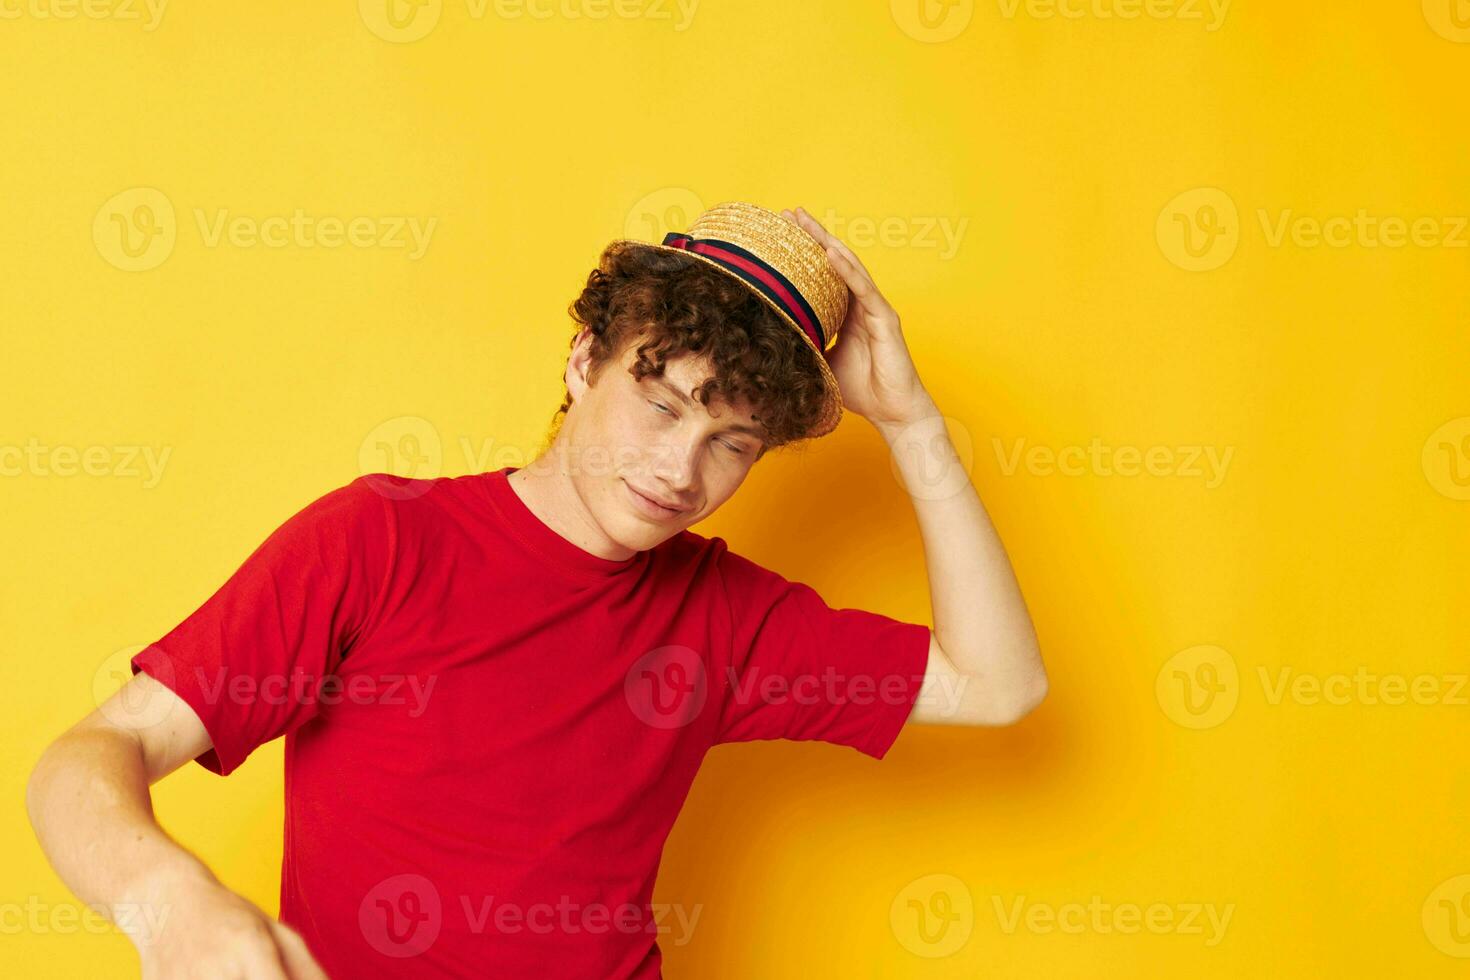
[489,731]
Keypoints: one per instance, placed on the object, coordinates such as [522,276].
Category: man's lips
[655,502]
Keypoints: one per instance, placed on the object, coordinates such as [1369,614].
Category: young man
[497,689]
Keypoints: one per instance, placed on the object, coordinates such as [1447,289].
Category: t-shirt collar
[541,538]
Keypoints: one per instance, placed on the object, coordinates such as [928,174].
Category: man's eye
[661,408]
[734,449]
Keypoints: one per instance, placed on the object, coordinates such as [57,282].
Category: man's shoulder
[733,572]
[393,488]
[689,545]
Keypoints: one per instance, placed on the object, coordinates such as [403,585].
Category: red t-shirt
[489,731]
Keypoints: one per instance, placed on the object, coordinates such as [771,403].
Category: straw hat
[783,265]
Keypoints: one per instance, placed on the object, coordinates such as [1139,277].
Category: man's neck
[546,488]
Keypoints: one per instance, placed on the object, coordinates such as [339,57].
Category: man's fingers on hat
[814,227]
[300,964]
[824,236]
[831,241]
[852,257]
[843,265]
[855,275]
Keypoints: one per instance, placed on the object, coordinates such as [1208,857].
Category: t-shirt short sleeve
[803,670]
[251,660]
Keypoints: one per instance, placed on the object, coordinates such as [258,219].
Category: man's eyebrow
[673,389]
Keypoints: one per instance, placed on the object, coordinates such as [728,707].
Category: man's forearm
[89,803]
[980,616]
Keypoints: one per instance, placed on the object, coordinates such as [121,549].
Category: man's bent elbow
[1015,704]
[1029,699]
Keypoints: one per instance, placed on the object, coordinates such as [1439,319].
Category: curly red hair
[675,304]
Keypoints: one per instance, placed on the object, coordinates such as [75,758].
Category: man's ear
[578,364]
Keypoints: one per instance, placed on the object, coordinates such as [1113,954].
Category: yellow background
[1334,542]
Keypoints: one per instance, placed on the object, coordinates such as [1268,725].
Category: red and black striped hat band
[760,275]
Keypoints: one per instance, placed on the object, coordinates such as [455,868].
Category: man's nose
[677,462]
